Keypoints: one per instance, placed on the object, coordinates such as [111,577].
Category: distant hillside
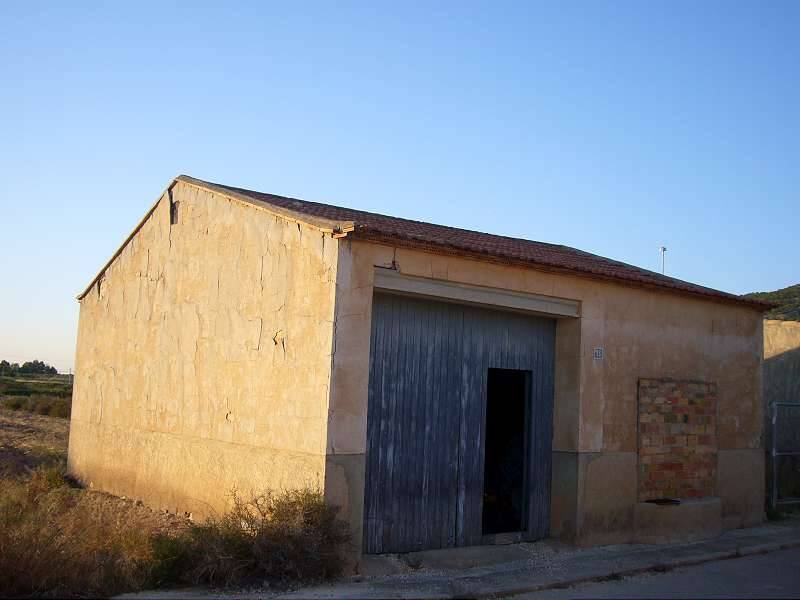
[788,298]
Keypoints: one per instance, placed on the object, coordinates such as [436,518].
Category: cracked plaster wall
[204,357]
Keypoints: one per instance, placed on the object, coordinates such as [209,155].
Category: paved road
[773,575]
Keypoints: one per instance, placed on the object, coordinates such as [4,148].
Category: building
[782,419]
[781,361]
[443,387]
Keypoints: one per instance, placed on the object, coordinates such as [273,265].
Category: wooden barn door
[429,366]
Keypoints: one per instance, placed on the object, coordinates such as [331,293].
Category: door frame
[390,281]
[524,533]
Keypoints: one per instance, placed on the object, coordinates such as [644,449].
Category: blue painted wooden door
[429,363]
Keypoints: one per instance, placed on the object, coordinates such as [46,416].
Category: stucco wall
[780,337]
[204,357]
[781,361]
[644,333]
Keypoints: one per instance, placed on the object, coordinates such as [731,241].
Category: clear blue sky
[611,127]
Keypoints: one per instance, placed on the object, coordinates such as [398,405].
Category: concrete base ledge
[466,557]
[685,522]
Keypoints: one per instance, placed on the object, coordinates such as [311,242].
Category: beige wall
[644,334]
[780,337]
[204,357]
[232,349]
[781,361]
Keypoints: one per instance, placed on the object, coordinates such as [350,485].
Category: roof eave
[443,248]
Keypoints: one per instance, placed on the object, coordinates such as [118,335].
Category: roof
[358,224]
[475,244]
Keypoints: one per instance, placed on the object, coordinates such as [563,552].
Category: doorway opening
[504,467]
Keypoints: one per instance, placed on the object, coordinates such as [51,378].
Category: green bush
[26,387]
[279,539]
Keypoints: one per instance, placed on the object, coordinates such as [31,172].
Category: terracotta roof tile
[487,246]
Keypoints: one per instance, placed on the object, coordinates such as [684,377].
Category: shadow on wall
[781,379]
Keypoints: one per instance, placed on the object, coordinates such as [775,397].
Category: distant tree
[5,368]
[28,367]
[786,299]
[37,367]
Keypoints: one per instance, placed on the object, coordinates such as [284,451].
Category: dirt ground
[28,441]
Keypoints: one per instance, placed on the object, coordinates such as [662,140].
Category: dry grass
[51,406]
[44,395]
[54,542]
[28,441]
[277,539]
[57,540]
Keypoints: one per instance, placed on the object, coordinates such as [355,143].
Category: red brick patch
[677,438]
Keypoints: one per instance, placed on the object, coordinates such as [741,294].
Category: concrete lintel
[393,281]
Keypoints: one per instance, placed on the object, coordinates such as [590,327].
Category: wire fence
[784,471]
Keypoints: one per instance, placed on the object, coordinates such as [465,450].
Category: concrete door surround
[566,314]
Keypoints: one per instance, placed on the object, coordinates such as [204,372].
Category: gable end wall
[204,356]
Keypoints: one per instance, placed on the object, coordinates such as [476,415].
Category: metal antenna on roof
[663,250]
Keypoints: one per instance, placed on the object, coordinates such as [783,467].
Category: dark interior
[504,464]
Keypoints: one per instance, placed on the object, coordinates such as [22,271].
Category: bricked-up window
[677,439]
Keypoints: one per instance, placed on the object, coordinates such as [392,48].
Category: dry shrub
[41,404]
[275,539]
[53,544]
[57,540]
